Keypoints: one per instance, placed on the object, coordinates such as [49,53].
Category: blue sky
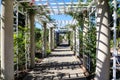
[57,17]
[61,17]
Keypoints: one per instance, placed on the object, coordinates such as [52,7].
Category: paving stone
[60,65]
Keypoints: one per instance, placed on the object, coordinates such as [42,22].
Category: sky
[57,17]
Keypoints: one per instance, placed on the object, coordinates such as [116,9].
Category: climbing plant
[78,16]
[38,40]
[88,41]
[90,45]
[19,47]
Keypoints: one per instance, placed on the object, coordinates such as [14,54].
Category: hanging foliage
[78,16]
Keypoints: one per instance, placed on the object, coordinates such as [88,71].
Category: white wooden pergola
[57,7]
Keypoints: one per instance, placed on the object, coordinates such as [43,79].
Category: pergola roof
[61,6]
[58,7]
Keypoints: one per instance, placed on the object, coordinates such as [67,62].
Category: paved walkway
[60,65]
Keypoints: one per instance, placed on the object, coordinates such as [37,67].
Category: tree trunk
[32,40]
[7,65]
[103,34]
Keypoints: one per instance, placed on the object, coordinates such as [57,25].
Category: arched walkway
[92,42]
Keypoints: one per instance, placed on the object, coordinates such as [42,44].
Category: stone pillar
[103,41]
[7,53]
[32,40]
[44,40]
[50,38]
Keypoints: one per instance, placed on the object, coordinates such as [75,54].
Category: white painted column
[50,38]
[32,40]
[114,38]
[77,41]
[7,53]
[85,27]
[53,39]
[103,41]
[44,41]
[74,40]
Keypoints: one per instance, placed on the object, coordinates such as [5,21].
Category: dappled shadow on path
[60,65]
[56,71]
[61,55]
[53,70]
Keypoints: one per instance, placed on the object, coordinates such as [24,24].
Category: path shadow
[61,55]
[58,70]
[44,71]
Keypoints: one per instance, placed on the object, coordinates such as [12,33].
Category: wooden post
[32,40]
